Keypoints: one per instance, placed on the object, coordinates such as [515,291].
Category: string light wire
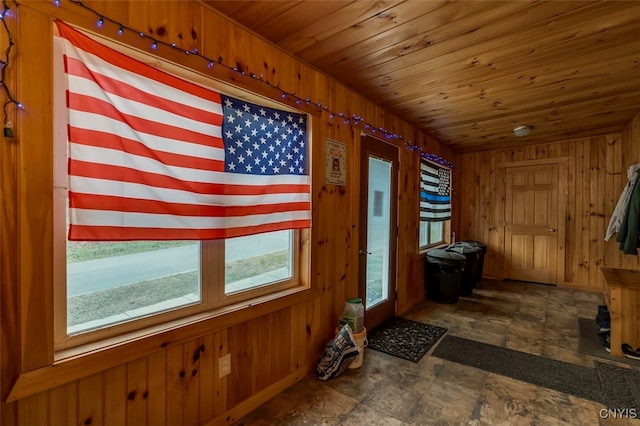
[352,120]
[4,63]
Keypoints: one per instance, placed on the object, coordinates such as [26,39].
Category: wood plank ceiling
[470,71]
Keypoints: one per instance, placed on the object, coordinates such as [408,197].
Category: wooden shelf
[622,296]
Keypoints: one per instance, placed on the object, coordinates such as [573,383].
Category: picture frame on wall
[335,162]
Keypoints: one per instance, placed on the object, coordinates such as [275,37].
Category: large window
[435,204]
[113,283]
[109,285]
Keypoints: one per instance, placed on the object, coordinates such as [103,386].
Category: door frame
[563,168]
[388,152]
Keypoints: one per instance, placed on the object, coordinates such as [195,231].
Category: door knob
[551,229]
[364,252]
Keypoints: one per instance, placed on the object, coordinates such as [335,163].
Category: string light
[357,120]
[4,63]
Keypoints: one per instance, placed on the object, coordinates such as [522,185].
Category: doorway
[533,229]
[378,229]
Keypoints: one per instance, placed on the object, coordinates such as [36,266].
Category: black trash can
[443,274]
[472,258]
[483,251]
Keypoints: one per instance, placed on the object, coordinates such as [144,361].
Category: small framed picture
[335,162]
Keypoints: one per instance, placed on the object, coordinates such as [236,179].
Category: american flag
[155,157]
[435,192]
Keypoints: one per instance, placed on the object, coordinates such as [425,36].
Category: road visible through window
[113,282]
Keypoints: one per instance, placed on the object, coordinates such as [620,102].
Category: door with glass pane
[378,229]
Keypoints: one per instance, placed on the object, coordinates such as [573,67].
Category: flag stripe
[121,66]
[220,194]
[119,233]
[434,218]
[433,207]
[147,220]
[153,127]
[92,82]
[134,205]
[195,158]
[431,198]
[97,122]
[83,185]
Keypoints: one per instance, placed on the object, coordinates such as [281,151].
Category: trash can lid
[444,255]
[463,247]
[476,243]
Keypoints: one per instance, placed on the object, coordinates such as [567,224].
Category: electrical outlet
[224,365]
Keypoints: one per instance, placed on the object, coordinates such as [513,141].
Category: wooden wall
[172,378]
[597,173]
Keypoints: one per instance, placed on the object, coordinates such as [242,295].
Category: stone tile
[567,355]
[357,383]
[563,319]
[553,406]
[393,400]
[393,369]
[570,342]
[506,401]
[298,417]
[366,414]
[429,367]
[445,404]
[590,297]
[462,375]
[473,306]
[525,337]
[530,314]
[496,339]
[325,402]
[528,346]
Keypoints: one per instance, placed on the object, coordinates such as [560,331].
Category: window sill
[85,360]
[424,250]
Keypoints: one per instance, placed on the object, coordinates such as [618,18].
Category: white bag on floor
[338,354]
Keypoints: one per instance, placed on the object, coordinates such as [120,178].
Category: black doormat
[588,343]
[405,338]
[613,386]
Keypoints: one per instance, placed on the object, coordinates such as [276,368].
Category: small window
[435,204]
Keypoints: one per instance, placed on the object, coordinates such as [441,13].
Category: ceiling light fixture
[522,131]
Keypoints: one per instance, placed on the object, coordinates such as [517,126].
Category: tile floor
[389,391]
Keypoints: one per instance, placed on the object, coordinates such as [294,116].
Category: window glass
[258,260]
[114,282]
[435,232]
